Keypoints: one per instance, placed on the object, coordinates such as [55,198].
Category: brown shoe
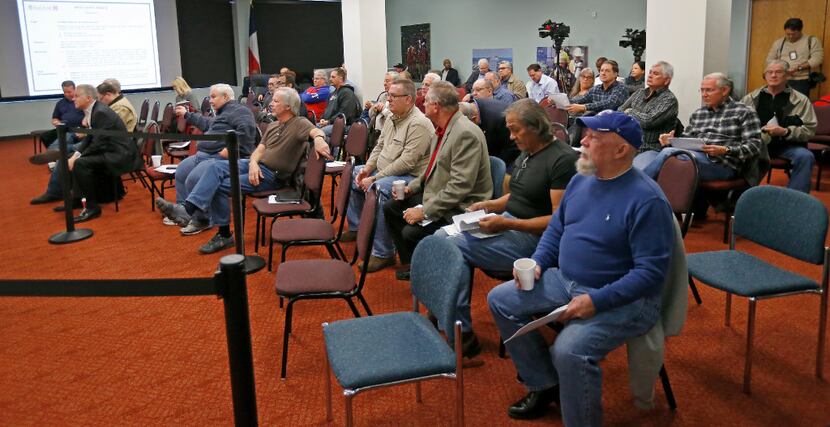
[349,236]
[45,157]
[378,263]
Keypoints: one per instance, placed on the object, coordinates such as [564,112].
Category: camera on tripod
[636,40]
[557,31]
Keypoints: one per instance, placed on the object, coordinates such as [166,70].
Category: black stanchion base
[253,263]
[72,236]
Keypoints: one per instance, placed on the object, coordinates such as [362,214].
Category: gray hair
[321,73]
[506,64]
[469,109]
[393,74]
[484,82]
[433,77]
[720,79]
[114,83]
[223,89]
[483,61]
[407,85]
[444,94]
[532,116]
[587,70]
[289,97]
[666,69]
[85,90]
[780,62]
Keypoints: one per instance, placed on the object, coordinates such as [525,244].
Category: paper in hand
[538,323]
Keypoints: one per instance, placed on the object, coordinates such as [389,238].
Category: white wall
[718,19]
[364,42]
[739,44]
[459,26]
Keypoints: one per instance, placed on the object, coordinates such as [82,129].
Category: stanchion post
[252,263]
[71,234]
[238,329]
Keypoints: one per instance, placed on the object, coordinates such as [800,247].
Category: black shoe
[470,347]
[88,214]
[217,243]
[45,157]
[402,274]
[534,404]
[76,204]
[45,198]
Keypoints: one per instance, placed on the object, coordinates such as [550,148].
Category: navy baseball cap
[618,122]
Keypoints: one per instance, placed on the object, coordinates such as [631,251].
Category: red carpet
[163,361]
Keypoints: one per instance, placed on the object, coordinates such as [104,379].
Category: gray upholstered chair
[497,171]
[396,348]
[787,221]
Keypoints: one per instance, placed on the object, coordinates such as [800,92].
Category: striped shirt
[733,125]
[656,111]
[600,99]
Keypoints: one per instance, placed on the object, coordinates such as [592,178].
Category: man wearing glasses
[789,121]
[400,154]
[511,82]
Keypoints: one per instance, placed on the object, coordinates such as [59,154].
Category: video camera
[636,40]
[557,31]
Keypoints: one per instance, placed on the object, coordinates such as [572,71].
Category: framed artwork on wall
[415,47]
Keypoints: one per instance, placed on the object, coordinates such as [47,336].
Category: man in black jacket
[450,74]
[342,100]
[99,154]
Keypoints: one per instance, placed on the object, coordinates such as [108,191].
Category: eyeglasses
[503,68]
[775,72]
[394,96]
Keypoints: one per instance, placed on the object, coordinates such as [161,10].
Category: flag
[253,46]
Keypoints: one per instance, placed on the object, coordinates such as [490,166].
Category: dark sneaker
[175,212]
[45,157]
[349,236]
[45,198]
[217,243]
[402,274]
[194,227]
[378,263]
[470,347]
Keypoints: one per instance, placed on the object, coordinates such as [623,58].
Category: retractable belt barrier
[228,283]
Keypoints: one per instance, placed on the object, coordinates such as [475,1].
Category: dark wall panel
[206,41]
[299,35]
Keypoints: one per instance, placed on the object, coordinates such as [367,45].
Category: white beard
[585,166]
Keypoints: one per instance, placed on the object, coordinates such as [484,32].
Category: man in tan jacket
[457,175]
[109,92]
[400,154]
[802,53]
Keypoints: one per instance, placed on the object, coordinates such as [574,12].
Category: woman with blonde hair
[185,93]
[584,82]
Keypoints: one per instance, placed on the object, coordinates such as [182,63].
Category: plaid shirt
[734,125]
[655,111]
[598,99]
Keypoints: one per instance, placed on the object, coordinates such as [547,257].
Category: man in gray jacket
[400,154]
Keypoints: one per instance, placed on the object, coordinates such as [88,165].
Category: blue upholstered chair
[497,171]
[395,348]
[781,219]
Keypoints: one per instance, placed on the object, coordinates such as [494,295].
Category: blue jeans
[55,186]
[709,170]
[642,160]
[190,170]
[493,253]
[802,162]
[573,360]
[212,191]
[383,247]
[71,142]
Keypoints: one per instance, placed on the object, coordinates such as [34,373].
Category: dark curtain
[206,42]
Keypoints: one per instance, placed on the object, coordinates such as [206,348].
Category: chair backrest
[205,108]
[366,231]
[497,171]
[557,115]
[560,132]
[341,199]
[313,177]
[678,179]
[438,273]
[823,119]
[167,118]
[312,116]
[338,131]
[154,113]
[789,221]
[148,145]
[194,144]
[142,115]
[358,139]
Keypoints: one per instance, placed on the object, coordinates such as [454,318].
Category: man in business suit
[450,74]
[99,155]
[457,175]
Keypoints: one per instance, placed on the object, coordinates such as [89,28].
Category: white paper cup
[525,269]
[400,188]
[156,160]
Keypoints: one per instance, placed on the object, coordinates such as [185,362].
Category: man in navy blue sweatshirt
[605,254]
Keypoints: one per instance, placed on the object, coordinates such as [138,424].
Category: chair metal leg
[750,334]
[365,305]
[284,250]
[285,334]
[502,349]
[459,376]
[256,234]
[694,291]
[327,373]
[270,250]
[281,301]
[340,250]
[728,309]
[418,398]
[822,335]
[818,174]
[353,307]
[664,378]
[348,395]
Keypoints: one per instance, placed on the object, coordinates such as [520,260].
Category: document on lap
[560,99]
[171,169]
[694,144]
[538,323]
[469,222]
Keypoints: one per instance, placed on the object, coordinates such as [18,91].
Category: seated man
[316,97]
[99,155]
[64,112]
[482,89]
[457,175]
[421,94]
[488,114]
[540,86]
[342,101]
[510,81]
[230,115]
[375,113]
[270,166]
[264,101]
[655,108]
[109,92]
[606,96]
[605,253]
[790,121]
[499,91]
[730,130]
[400,154]
[477,74]
[541,173]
